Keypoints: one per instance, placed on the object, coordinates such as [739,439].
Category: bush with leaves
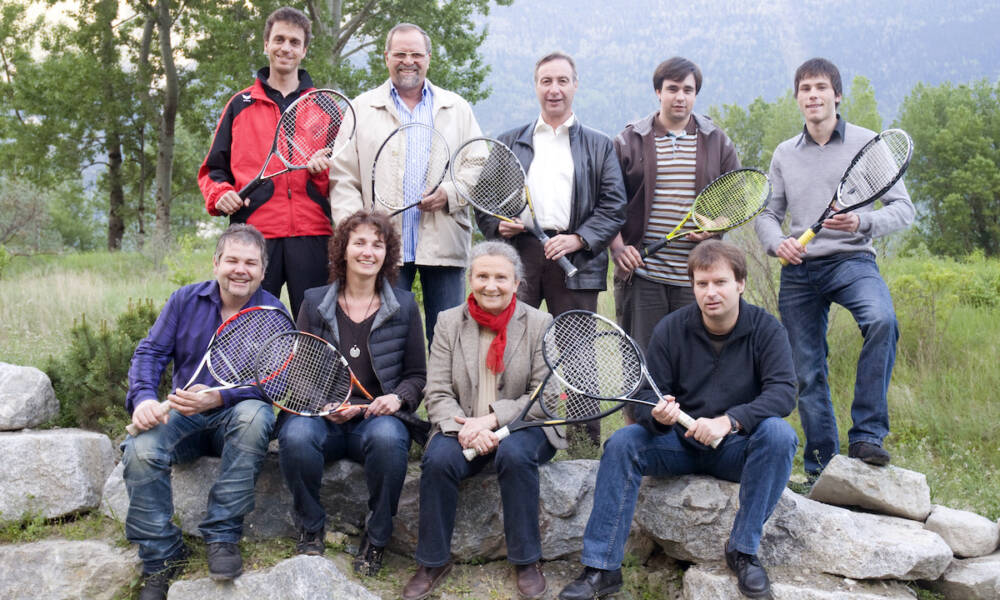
[91,378]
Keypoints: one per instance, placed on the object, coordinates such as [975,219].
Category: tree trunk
[116,192]
[165,156]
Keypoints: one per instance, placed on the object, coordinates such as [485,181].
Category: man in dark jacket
[576,189]
[728,365]
[666,159]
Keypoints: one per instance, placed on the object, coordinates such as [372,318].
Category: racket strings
[309,125]
[411,163]
[235,348]
[491,178]
[734,198]
[562,402]
[877,168]
[592,356]
[303,373]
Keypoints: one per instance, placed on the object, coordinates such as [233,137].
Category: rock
[888,490]
[970,579]
[26,397]
[690,518]
[714,581]
[57,569]
[56,472]
[969,535]
[301,577]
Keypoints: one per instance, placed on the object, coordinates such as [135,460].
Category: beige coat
[453,371]
[445,235]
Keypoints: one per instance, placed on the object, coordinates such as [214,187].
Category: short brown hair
[341,235]
[287,14]
[819,67]
[713,251]
[676,69]
[244,234]
[557,55]
[408,27]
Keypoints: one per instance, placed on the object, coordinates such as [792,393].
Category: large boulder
[969,535]
[714,581]
[971,579]
[888,490]
[58,569]
[690,518]
[52,473]
[298,578]
[26,397]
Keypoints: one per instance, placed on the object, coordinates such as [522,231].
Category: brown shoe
[424,581]
[530,581]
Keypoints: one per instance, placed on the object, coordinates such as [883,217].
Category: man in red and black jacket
[291,210]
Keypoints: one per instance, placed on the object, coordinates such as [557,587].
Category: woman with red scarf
[485,360]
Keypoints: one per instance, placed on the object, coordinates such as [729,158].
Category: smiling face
[239,269]
[285,48]
[555,86]
[493,281]
[677,101]
[407,59]
[365,252]
[717,293]
[817,99]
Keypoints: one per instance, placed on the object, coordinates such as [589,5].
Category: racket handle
[470,453]
[249,188]
[567,266]
[163,408]
[686,420]
[653,248]
[804,239]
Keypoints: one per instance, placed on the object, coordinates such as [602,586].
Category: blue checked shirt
[417,151]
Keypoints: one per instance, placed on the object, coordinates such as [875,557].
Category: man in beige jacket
[437,234]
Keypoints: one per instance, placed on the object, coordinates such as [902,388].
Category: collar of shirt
[305,83]
[542,127]
[838,131]
[550,175]
[405,114]
[690,129]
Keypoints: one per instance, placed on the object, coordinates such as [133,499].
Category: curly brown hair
[386,232]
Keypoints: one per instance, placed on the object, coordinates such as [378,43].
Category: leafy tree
[758,129]
[954,176]
[860,108]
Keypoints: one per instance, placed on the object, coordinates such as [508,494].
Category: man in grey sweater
[838,266]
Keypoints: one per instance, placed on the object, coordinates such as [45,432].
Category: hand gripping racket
[599,360]
[729,201]
[410,164]
[233,349]
[873,171]
[488,175]
[320,121]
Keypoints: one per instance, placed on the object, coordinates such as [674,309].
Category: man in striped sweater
[666,158]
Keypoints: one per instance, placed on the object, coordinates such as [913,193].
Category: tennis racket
[233,349]
[598,360]
[410,164]
[729,201]
[488,175]
[873,171]
[317,121]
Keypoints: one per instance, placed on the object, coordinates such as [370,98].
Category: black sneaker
[368,560]
[311,544]
[872,454]
[224,561]
[155,585]
[750,574]
[592,583]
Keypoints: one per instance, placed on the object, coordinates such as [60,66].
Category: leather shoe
[530,581]
[872,454]
[750,575]
[224,561]
[592,583]
[424,581]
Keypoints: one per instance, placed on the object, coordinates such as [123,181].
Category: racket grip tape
[249,188]
[806,237]
[162,409]
[470,453]
[686,420]
[567,266]
[653,248]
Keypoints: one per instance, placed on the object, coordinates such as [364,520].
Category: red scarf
[498,324]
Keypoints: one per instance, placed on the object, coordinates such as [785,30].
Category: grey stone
[969,535]
[714,581]
[888,490]
[301,577]
[56,472]
[58,569]
[971,579]
[26,397]
[690,517]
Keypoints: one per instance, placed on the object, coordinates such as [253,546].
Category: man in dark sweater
[728,364]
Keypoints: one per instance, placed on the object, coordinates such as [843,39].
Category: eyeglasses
[414,56]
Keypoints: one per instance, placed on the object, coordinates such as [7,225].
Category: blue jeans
[239,435]
[853,281]
[381,444]
[761,462]
[443,288]
[516,459]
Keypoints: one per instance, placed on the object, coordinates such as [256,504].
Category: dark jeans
[443,468]
[443,288]
[853,281]
[301,262]
[761,462]
[381,444]
[545,280]
[239,435]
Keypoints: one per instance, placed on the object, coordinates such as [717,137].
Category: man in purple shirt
[233,424]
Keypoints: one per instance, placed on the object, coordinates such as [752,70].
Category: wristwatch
[735,425]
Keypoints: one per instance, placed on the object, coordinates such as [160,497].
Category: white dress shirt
[550,176]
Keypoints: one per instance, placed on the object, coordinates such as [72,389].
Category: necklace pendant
[355,351]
